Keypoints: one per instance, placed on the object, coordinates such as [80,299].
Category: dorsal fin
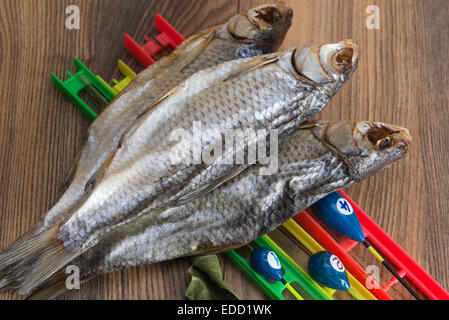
[159,101]
[189,56]
[253,64]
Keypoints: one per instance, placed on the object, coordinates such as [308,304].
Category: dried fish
[277,92]
[257,31]
[318,158]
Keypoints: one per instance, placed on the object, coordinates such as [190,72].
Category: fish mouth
[402,135]
[268,15]
[403,141]
[401,150]
[266,21]
[347,57]
[340,59]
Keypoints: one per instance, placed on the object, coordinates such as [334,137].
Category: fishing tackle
[337,213]
[266,263]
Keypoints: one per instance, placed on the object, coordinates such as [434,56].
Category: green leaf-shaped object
[207,280]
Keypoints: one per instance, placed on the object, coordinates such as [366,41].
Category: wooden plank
[402,79]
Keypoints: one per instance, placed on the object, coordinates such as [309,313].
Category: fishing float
[266,263]
[324,267]
[337,213]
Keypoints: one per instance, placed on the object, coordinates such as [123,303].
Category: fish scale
[149,85]
[141,179]
[109,210]
[246,207]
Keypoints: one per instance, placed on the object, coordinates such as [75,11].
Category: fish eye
[384,143]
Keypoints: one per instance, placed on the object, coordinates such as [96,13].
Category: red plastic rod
[398,256]
[168,37]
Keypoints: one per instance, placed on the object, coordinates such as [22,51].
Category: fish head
[367,147]
[329,64]
[264,26]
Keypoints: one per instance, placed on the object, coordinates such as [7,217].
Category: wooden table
[402,79]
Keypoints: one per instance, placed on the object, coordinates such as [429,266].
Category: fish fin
[205,189]
[8,282]
[178,58]
[51,288]
[71,171]
[33,261]
[96,176]
[311,124]
[253,64]
[24,237]
[102,169]
[154,104]
[188,57]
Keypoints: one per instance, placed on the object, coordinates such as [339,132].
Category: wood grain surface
[402,79]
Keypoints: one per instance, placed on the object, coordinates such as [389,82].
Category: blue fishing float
[326,269]
[337,213]
[266,263]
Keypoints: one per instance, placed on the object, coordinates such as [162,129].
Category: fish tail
[32,260]
[24,237]
[50,288]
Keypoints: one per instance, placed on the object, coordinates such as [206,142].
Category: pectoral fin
[311,124]
[100,171]
[71,171]
[205,189]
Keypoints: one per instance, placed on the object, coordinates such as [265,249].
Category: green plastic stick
[292,274]
[272,291]
[77,82]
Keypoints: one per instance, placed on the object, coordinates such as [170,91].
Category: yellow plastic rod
[293,291]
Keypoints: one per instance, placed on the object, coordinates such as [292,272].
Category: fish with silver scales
[257,31]
[125,170]
[278,92]
[317,159]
